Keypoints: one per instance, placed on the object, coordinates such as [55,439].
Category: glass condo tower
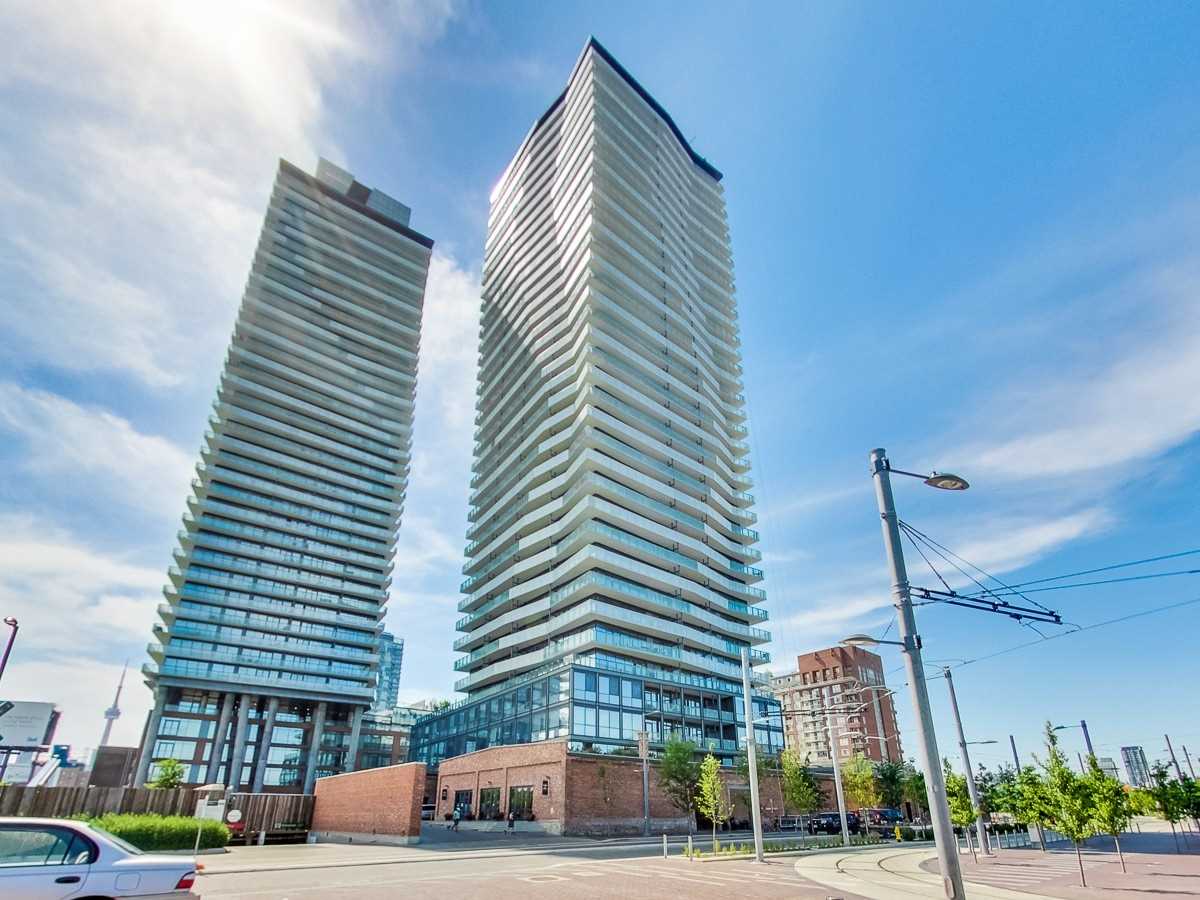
[610,565]
[268,652]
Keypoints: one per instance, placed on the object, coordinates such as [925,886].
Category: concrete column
[264,745]
[144,760]
[217,749]
[318,729]
[356,715]
[238,762]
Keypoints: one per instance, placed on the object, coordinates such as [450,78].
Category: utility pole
[1012,742]
[644,751]
[1087,738]
[752,756]
[931,761]
[837,776]
[1174,761]
[1188,757]
[11,622]
[980,827]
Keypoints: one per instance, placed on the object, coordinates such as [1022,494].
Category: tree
[1169,797]
[1070,798]
[858,782]
[710,795]
[678,773]
[889,778]
[1033,805]
[1112,810]
[915,791]
[998,789]
[170,775]
[766,766]
[801,790]
[958,798]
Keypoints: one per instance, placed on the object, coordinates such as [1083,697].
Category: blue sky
[971,238]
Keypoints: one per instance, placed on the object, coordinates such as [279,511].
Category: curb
[815,851]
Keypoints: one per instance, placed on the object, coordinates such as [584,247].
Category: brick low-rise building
[849,683]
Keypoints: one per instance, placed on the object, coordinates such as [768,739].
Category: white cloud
[141,139]
[1013,544]
[75,444]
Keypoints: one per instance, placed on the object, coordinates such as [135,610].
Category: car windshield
[112,838]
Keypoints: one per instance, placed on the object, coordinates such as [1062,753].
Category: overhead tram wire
[1065,587]
[1124,565]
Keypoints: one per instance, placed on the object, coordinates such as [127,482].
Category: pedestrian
[457,816]
[512,822]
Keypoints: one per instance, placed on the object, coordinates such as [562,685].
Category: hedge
[151,832]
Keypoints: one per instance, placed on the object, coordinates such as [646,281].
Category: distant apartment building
[610,570]
[267,656]
[838,681]
[391,657]
[1108,766]
[1136,766]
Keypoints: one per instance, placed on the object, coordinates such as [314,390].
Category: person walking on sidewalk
[457,815]
[511,824]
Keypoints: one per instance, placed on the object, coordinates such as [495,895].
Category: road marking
[541,879]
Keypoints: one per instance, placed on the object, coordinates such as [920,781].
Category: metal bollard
[664,845]
[690,851]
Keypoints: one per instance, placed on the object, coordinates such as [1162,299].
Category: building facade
[610,565]
[1136,766]
[391,657]
[268,652]
[837,700]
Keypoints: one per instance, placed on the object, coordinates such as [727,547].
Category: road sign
[24,726]
[234,816]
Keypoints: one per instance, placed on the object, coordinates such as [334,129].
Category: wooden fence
[275,814]
[59,802]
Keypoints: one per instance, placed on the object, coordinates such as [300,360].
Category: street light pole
[980,827]
[644,752]
[837,776]
[1174,761]
[1012,742]
[1087,738]
[11,622]
[947,845]
[752,756]
[1187,756]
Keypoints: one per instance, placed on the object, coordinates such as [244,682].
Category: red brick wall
[504,767]
[383,801]
[604,796]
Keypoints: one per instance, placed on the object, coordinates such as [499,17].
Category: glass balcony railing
[255,548]
[213,504]
[273,622]
[300,610]
[248,582]
[303,545]
[284,573]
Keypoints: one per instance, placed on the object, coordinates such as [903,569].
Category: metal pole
[644,748]
[12,636]
[752,756]
[930,759]
[1174,761]
[1087,738]
[837,777]
[972,791]
[1016,759]
[1188,757]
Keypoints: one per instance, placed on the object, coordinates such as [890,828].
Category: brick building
[838,679]
[557,791]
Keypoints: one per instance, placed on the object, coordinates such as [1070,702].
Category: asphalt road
[602,872]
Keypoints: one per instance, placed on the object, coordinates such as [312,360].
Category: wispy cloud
[95,450]
[140,142]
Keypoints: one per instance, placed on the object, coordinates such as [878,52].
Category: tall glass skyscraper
[268,651]
[391,659]
[610,572]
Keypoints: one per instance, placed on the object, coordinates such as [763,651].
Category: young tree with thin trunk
[1169,798]
[915,791]
[1112,808]
[678,773]
[858,782]
[1070,798]
[1033,802]
[801,791]
[710,795]
[170,775]
[958,798]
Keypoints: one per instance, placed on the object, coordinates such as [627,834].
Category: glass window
[609,724]
[651,698]
[537,697]
[558,721]
[522,700]
[291,736]
[631,724]
[585,720]
[631,694]
[462,801]
[538,732]
[520,800]
[610,689]
[585,686]
[25,845]
[489,803]
[556,687]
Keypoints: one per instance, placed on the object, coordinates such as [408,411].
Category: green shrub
[151,832]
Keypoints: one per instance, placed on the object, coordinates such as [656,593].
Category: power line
[1136,562]
[1064,587]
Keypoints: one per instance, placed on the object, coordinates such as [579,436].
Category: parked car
[831,823]
[883,816]
[54,859]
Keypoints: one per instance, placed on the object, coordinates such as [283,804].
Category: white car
[52,859]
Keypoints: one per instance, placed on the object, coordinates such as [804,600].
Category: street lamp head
[10,621]
[860,640]
[947,481]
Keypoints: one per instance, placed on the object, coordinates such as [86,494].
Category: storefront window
[520,801]
[489,803]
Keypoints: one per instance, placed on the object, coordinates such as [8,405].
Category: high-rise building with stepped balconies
[610,568]
[267,655]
